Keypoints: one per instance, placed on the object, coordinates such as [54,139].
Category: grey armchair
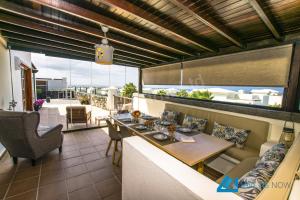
[20,136]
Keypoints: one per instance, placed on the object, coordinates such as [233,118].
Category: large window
[255,78]
[262,96]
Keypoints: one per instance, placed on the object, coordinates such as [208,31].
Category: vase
[36,108]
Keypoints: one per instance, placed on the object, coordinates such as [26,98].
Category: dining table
[192,148]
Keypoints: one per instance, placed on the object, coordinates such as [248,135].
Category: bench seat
[241,154]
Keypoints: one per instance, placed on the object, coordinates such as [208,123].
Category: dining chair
[124,133]
[115,136]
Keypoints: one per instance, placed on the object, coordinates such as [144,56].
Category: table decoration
[136,114]
[171,130]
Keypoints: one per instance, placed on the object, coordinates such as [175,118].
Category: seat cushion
[241,154]
[240,169]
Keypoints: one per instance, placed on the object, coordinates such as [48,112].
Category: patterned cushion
[235,135]
[170,116]
[276,153]
[194,123]
[253,182]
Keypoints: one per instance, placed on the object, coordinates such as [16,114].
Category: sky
[83,73]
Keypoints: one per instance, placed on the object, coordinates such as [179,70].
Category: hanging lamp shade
[104,54]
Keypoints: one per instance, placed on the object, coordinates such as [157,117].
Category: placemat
[162,143]
[140,131]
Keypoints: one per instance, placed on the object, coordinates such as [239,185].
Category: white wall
[5,77]
[5,90]
[155,107]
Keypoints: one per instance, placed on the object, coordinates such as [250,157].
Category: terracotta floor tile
[76,170]
[3,189]
[78,182]
[98,164]
[31,195]
[70,154]
[117,196]
[50,166]
[108,187]
[52,177]
[54,191]
[82,171]
[23,186]
[72,162]
[101,174]
[87,193]
[28,172]
[5,178]
[91,157]
[88,150]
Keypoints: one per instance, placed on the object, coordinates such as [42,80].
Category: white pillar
[110,98]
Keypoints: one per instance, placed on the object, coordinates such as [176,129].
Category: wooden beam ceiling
[133,32]
[68,47]
[155,20]
[116,38]
[188,6]
[27,46]
[266,19]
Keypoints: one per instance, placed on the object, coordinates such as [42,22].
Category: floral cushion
[253,182]
[235,135]
[194,123]
[276,153]
[170,116]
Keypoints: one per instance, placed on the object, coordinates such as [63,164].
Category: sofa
[150,173]
[258,135]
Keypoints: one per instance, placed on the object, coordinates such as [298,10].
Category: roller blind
[265,67]
[163,75]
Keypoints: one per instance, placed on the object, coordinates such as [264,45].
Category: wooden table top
[204,147]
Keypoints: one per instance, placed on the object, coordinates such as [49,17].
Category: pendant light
[104,52]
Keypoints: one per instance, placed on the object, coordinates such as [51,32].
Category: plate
[165,123]
[160,136]
[185,130]
[141,127]
[148,117]
[126,120]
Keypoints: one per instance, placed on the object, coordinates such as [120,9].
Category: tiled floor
[81,172]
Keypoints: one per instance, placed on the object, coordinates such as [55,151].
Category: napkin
[187,139]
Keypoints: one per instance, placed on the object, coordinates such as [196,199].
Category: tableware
[141,127]
[165,123]
[160,136]
[184,130]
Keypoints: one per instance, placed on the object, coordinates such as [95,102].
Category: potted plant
[38,104]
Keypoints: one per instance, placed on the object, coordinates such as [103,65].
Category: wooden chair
[78,114]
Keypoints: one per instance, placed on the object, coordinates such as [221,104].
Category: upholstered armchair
[20,136]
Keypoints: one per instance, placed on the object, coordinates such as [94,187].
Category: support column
[293,94]
[140,89]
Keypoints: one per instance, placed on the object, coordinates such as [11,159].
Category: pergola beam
[153,19]
[68,46]
[100,19]
[216,26]
[267,20]
[115,38]
[25,46]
